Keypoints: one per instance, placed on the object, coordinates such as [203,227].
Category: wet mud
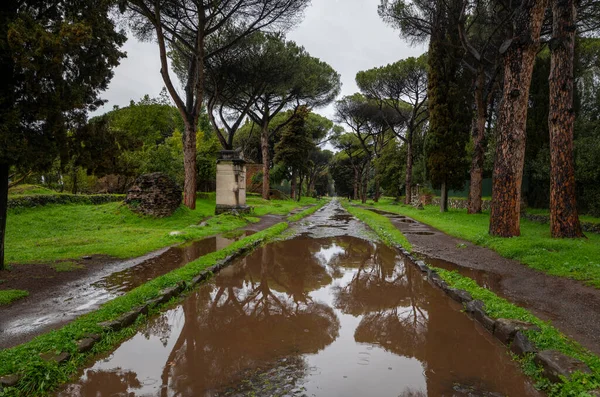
[329,312]
[75,294]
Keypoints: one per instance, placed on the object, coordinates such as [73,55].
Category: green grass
[548,339]
[61,232]
[21,190]
[41,377]
[583,218]
[10,295]
[380,224]
[578,259]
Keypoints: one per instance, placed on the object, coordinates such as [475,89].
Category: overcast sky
[347,34]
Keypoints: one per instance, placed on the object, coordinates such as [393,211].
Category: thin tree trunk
[564,220]
[300,186]
[264,146]
[293,184]
[377,185]
[512,119]
[356,184]
[189,166]
[74,180]
[444,198]
[365,178]
[409,171]
[478,135]
[3,209]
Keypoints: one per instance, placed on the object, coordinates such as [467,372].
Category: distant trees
[55,60]
[194,32]
[401,87]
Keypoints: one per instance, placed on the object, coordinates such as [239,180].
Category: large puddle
[311,316]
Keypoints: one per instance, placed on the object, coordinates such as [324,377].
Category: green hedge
[38,200]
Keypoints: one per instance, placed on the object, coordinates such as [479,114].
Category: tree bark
[564,220]
[409,171]
[74,180]
[189,166]
[264,146]
[3,209]
[365,177]
[293,184]
[356,184]
[478,135]
[512,118]
[377,185]
[444,198]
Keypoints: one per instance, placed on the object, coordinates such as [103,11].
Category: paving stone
[521,345]
[59,358]
[85,345]
[422,266]
[506,329]
[9,380]
[459,295]
[556,364]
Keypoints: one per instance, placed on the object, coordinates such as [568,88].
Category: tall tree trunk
[264,147]
[300,186]
[512,118]
[564,220]
[356,184]
[478,135]
[409,170]
[189,166]
[3,209]
[74,180]
[377,186]
[444,198]
[293,184]
[365,181]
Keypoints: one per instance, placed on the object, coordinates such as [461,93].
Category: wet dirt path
[571,306]
[61,297]
[328,312]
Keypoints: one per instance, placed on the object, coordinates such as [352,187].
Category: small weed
[11,295]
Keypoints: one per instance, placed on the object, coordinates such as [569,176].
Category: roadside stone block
[123,321]
[505,329]
[422,266]
[555,364]
[85,345]
[474,305]
[459,295]
[58,358]
[9,380]
[521,345]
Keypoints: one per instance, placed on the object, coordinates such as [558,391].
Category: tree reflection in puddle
[325,317]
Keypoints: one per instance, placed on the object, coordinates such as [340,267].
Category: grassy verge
[380,224]
[41,376]
[11,295]
[60,232]
[548,339]
[578,259]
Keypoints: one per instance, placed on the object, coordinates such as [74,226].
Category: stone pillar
[231,183]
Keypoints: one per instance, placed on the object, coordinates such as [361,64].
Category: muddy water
[20,324]
[316,315]
[172,259]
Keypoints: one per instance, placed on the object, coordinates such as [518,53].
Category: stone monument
[231,183]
